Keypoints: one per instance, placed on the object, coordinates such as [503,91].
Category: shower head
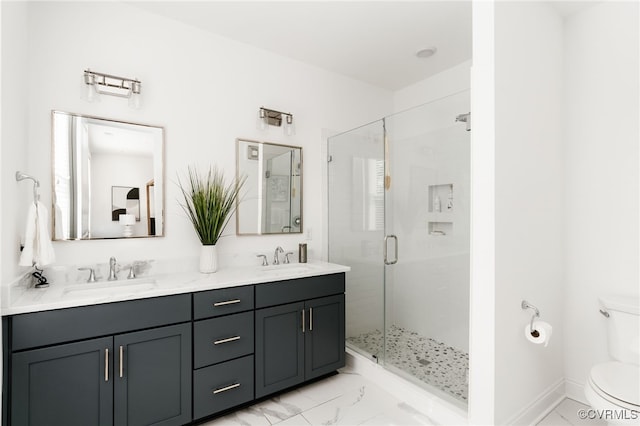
[464,118]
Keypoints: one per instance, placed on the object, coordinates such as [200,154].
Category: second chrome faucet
[112,269]
[276,259]
[276,256]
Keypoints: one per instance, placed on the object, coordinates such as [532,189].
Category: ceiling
[371,41]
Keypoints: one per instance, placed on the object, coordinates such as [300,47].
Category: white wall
[205,90]
[529,208]
[455,79]
[601,118]
[482,158]
[13,150]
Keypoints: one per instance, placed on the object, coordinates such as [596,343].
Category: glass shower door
[427,246]
[356,231]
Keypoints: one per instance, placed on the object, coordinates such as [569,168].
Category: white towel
[38,249]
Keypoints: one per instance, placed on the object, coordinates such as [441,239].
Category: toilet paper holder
[536,314]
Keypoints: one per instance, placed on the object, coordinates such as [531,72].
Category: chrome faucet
[276,260]
[112,269]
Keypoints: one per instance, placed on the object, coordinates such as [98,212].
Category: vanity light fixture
[270,117]
[96,84]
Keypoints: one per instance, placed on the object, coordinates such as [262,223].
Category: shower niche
[440,210]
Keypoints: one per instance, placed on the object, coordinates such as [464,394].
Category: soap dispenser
[302,253]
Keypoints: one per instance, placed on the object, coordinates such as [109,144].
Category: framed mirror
[108,178]
[271,199]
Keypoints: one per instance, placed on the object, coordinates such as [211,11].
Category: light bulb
[88,91]
[288,127]
[262,123]
[135,95]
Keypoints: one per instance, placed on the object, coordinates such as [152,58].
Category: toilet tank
[623,327]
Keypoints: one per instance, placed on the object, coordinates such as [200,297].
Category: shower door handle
[395,250]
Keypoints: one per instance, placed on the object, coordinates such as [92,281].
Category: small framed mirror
[108,178]
[271,200]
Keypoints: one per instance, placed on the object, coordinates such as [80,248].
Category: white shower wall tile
[431,297]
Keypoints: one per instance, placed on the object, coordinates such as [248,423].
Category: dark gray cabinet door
[324,339]
[152,377]
[279,348]
[63,385]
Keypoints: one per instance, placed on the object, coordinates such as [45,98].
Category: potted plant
[209,203]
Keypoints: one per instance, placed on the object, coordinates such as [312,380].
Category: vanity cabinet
[171,360]
[302,340]
[135,378]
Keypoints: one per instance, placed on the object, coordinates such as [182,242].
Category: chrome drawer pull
[106,365]
[237,385]
[228,302]
[230,339]
[121,360]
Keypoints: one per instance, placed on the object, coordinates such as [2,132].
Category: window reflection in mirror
[108,178]
[271,200]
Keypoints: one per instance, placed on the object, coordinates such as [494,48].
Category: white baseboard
[541,406]
[575,391]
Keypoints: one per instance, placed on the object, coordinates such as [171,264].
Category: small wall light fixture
[270,117]
[96,84]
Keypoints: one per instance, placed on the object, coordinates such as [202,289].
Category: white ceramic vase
[208,259]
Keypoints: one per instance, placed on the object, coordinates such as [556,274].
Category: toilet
[613,387]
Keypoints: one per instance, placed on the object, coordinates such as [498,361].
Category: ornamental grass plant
[209,202]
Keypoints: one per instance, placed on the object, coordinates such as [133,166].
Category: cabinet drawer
[222,386]
[85,322]
[221,339]
[281,292]
[214,303]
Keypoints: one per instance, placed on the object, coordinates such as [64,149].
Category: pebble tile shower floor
[426,359]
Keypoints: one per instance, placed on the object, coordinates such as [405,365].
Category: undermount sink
[136,284]
[287,269]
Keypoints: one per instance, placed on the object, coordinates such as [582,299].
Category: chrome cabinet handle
[106,365]
[230,339]
[121,361]
[228,302]
[386,260]
[303,320]
[310,319]
[226,388]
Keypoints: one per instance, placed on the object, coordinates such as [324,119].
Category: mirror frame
[162,214]
[238,201]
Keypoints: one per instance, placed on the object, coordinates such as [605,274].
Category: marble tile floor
[424,358]
[343,399]
[568,413]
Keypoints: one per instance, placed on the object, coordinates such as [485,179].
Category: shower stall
[399,216]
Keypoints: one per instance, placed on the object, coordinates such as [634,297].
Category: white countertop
[18,298]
